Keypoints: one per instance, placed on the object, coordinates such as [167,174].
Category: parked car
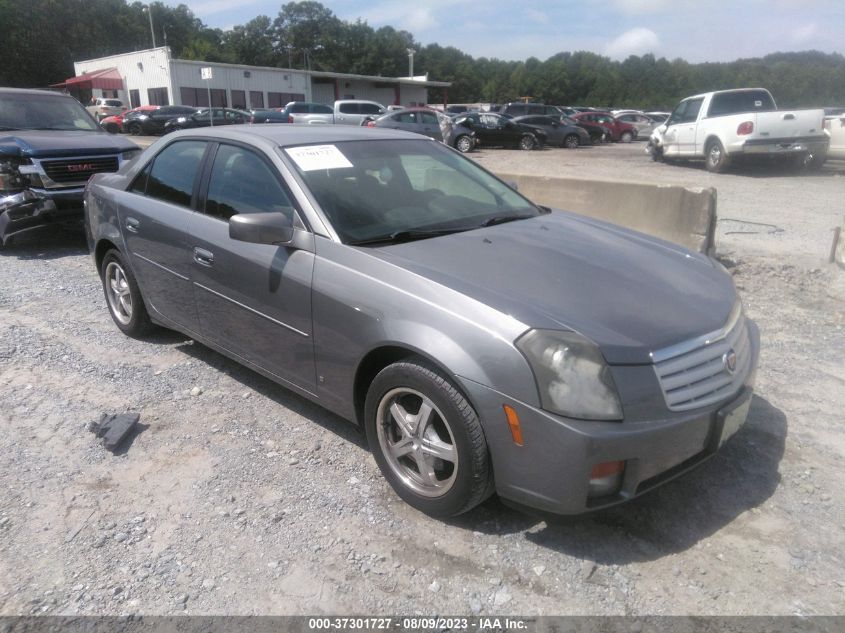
[598,133]
[557,133]
[428,123]
[640,121]
[519,108]
[344,112]
[495,130]
[100,108]
[658,117]
[722,126]
[619,131]
[49,148]
[151,123]
[483,343]
[456,109]
[268,116]
[306,107]
[114,124]
[835,128]
[207,117]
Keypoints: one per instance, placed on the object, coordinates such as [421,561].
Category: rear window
[725,103]
[114,103]
[370,108]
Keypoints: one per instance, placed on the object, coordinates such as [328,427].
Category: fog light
[606,479]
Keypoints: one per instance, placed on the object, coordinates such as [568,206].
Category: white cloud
[804,33]
[637,41]
[536,16]
[419,19]
[638,7]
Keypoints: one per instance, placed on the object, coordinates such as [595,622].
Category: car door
[253,300]
[671,137]
[154,215]
[429,125]
[687,127]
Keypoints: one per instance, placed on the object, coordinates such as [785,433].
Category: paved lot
[244,498]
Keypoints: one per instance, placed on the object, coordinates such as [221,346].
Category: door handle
[203,257]
[132,225]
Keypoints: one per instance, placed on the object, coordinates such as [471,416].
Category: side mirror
[261,228]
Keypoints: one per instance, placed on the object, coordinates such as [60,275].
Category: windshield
[27,111]
[393,190]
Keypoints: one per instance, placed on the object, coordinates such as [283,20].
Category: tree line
[42,38]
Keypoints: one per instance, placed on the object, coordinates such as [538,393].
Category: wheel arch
[384,355]
[103,246]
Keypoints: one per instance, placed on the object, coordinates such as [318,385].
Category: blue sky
[696,30]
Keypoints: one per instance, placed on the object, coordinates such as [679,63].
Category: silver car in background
[429,123]
[483,343]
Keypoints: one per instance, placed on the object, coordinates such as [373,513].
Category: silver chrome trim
[705,339]
[253,310]
[164,268]
[709,370]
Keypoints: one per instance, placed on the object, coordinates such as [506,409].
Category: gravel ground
[237,497]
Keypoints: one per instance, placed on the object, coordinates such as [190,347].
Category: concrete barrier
[683,215]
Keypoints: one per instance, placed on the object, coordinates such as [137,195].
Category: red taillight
[745,128]
[252,119]
[371,123]
[290,118]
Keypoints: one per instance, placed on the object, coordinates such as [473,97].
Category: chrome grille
[695,373]
[78,169]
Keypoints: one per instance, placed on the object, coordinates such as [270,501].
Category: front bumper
[551,470]
[34,208]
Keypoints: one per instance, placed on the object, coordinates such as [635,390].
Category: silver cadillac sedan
[483,343]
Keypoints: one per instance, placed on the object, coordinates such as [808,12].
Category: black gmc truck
[49,147]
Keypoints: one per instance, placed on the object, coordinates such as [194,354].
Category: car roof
[287,135]
[31,91]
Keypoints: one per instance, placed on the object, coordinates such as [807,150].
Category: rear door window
[349,108]
[174,172]
[370,108]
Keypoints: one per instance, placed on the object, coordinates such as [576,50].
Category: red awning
[106,79]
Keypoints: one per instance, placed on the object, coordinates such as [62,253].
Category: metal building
[152,77]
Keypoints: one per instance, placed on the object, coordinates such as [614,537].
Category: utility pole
[149,11]
[410,61]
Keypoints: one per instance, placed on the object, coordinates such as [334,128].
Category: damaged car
[49,147]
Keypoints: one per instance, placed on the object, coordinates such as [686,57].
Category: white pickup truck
[345,112]
[722,126]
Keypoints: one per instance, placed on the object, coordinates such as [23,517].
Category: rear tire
[427,439]
[527,142]
[626,137]
[123,296]
[716,160]
[571,141]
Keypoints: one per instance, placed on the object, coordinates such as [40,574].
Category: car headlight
[571,374]
[130,154]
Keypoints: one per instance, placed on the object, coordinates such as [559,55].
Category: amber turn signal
[513,423]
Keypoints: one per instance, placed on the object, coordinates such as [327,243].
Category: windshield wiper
[501,219]
[409,236]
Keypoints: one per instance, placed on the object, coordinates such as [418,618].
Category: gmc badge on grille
[81,167]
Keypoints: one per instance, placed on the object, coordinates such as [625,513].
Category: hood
[45,143]
[629,293]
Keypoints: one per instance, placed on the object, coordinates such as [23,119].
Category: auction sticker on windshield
[314,157]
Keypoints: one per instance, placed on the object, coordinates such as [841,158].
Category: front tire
[427,439]
[716,159]
[626,137]
[571,141]
[123,296]
[463,144]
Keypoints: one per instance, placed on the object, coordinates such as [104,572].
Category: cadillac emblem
[729,361]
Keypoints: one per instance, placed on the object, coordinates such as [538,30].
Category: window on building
[277,99]
[218,97]
[239,99]
[135,98]
[197,97]
[256,99]
[157,96]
